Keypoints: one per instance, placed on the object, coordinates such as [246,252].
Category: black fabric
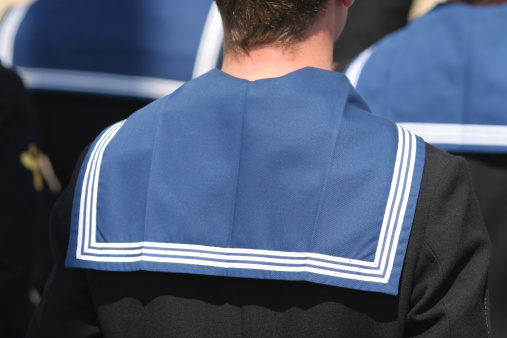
[368,21]
[67,122]
[21,205]
[489,177]
[442,292]
[70,121]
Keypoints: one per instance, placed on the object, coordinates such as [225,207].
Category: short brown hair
[252,22]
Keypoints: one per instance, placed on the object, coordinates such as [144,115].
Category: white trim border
[377,271]
[8,30]
[354,70]
[211,43]
[459,134]
[97,83]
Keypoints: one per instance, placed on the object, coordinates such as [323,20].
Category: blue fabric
[284,178]
[447,67]
[151,38]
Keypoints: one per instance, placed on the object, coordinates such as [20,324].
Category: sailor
[264,199]
[90,63]
[444,77]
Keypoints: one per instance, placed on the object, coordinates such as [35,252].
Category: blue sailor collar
[443,77]
[145,50]
[288,178]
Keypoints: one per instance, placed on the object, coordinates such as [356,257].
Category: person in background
[89,63]
[21,203]
[444,77]
[264,199]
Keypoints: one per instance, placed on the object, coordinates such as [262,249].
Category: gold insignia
[30,160]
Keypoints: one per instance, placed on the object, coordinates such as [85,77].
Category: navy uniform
[21,203]
[274,207]
[444,78]
[90,63]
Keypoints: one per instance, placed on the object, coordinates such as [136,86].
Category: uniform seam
[155,138]
[239,164]
[325,183]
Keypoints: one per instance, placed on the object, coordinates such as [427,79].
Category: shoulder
[379,60]
[14,100]
[442,169]
[448,255]
[446,186]
[11,86]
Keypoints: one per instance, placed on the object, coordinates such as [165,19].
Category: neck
[270,60]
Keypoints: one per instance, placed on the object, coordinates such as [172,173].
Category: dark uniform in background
[21,203]
[90,63]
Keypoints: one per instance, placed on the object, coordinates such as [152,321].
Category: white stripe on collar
[460,134]
[211,43]
[97,83]
[354,70]
[8,31]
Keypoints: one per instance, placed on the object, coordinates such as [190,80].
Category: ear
[347,3]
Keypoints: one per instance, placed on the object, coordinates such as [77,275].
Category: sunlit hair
[252,22]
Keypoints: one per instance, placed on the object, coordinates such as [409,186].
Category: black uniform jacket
[442,290]
[21,202]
